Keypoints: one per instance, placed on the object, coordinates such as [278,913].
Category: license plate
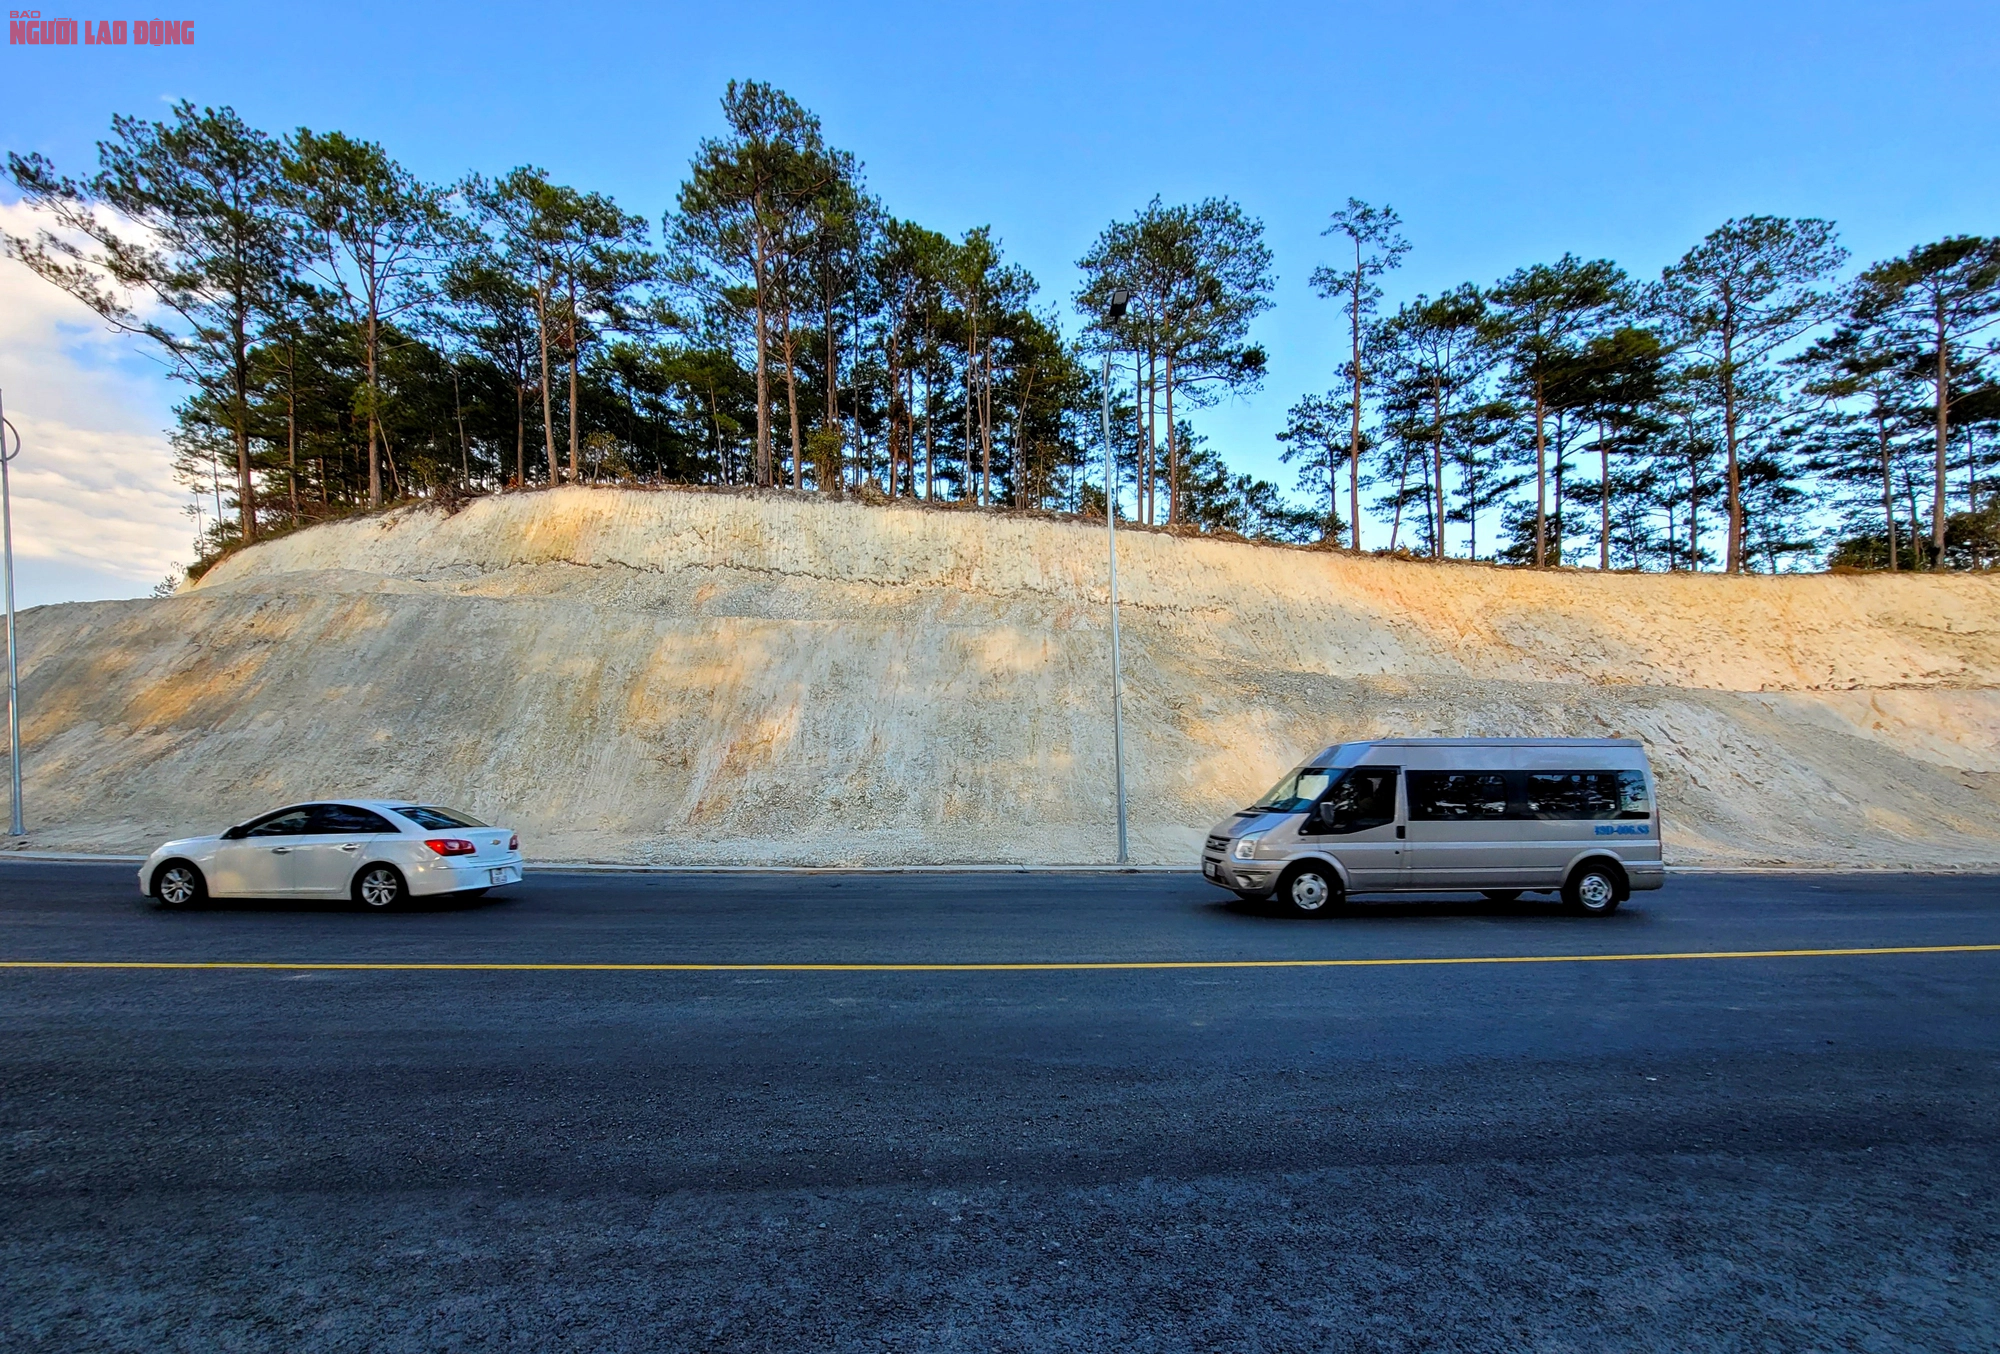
[501,874]
[1208,868]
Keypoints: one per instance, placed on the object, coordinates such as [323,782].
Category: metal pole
[13,671]
[1117,676]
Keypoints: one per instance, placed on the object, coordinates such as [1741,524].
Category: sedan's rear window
[434,819]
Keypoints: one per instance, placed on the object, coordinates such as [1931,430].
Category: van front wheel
[1594,889]
[1310,891]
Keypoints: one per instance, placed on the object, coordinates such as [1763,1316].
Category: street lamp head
[1120,299]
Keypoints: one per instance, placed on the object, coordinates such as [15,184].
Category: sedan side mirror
[234,834]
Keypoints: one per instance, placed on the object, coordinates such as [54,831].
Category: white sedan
[375,851]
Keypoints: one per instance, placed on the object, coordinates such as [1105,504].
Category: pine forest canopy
[350,335]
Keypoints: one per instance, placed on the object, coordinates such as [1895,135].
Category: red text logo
[27,28]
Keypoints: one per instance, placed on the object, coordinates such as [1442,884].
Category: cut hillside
[706,677]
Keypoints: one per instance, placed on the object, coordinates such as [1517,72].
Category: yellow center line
[1055,966]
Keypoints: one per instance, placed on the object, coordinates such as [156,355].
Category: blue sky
[1503,133]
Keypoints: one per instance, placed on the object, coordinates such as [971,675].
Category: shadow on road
[443,902]
[1418,909]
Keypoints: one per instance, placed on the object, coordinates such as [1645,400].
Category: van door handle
[279,850]
[1399,834]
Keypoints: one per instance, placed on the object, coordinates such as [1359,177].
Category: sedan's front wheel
[379,887]
[179,884]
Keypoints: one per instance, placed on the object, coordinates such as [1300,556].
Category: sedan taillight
[514,842]
[451,846]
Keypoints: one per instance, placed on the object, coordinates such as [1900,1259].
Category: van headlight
[1245,848]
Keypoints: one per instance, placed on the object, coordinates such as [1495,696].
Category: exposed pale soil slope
[681,676]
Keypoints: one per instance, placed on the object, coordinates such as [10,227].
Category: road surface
[1784,1151]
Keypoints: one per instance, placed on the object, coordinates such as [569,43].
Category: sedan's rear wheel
[1310,891]
[179,884]
[379,887]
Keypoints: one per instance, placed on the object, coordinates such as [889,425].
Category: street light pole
[1119,300]
[7,455]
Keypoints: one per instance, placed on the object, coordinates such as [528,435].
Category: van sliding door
[1464,832]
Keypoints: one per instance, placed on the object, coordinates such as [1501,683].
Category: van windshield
[1298,790]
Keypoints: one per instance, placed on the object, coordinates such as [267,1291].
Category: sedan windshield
[1297,791]
[434,819]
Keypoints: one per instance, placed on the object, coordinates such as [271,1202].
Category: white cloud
[95,503]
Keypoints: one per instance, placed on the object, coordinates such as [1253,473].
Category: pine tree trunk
[898,405]
[1150,514]
[1888,488]
[1916,519]
[1603,501]
[763,360]
[548,401]
[374,389]
[1471,512]
[1735,560]
[1354,433]
[1541,480]
[1556,541]
[1026,484]
[792,399]
[1402,483]
[986,425]
[575,361]
[464,443]
[292,431]
[1173,450]
[1332,493]
[832,482]
[1139,437]
[246,489]
[1694,516]
[1939,509]
[1437,465]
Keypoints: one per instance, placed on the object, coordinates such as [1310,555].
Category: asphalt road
[1776,1153]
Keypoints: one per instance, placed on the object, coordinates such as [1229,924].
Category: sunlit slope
[711,677]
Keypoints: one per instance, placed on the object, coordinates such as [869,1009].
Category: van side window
[1633,801]
[1574,795]
[1365,798]
[1457,796]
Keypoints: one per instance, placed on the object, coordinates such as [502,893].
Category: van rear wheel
[1310,891]
[1594,889]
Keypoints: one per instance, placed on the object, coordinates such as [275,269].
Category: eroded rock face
[684,676]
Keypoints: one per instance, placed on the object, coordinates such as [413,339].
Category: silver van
[1498,816]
